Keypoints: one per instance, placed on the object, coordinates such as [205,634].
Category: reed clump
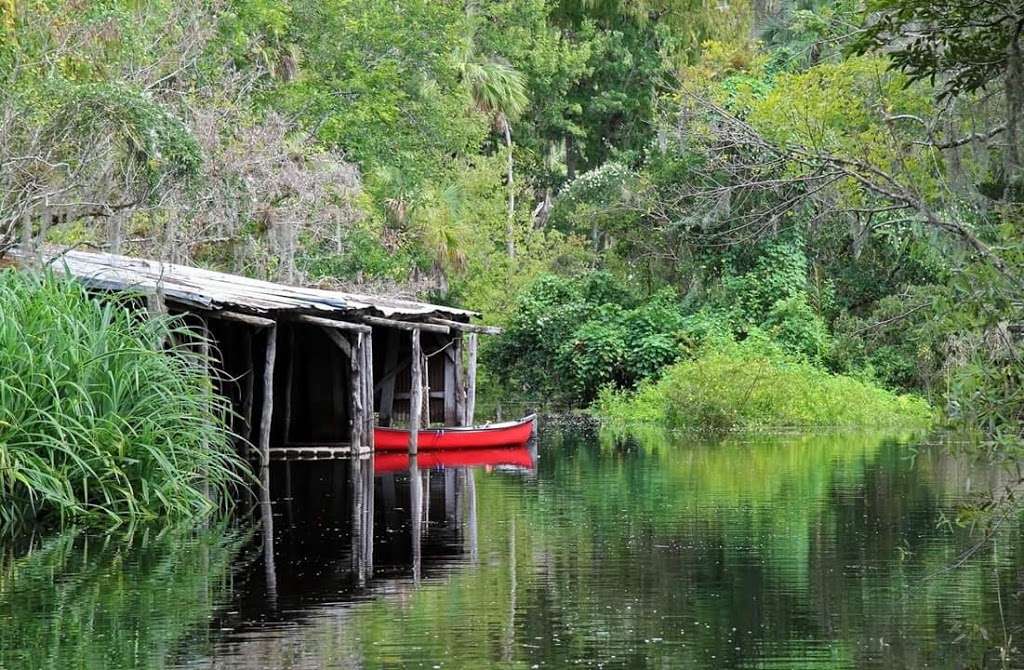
[106,414]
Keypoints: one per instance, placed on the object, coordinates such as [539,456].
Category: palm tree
[498,90]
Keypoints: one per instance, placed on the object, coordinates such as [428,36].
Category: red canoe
[508,434]
[519,457]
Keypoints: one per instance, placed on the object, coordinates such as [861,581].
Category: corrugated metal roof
[210,290]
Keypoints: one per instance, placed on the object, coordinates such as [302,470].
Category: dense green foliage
[591,332]
[797,170]
[98,419]
[754,384]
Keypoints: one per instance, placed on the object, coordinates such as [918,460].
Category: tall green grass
[754,385]
[105,414]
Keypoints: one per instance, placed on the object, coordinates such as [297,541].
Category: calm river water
[757,552]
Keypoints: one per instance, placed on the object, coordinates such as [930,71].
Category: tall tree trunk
[115,233]
[28,240]
[570,159]
[1014,102]
[510,242]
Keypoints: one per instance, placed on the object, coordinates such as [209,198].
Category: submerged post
[415,394]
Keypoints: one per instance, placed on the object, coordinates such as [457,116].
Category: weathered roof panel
[210,290]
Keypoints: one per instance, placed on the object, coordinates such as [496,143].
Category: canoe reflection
[503,458]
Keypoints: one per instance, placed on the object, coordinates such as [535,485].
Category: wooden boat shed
[309,371]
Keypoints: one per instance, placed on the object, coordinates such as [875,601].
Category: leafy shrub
[595,355]
[590,331]
[756,384]
[97,419]
[793,324]
[779,272]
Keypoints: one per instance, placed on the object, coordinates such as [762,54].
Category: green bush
[590,332]
[756,384]
[777,272]
[793,324]
[98,420]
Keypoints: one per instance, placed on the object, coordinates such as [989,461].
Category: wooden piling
[289,375]
[416,514]
[451,416]
[248,390]
[358,421]
[366,373]
[460,383]
[471,346]
[267,414]
[425,417]
[416,394]
[357,501]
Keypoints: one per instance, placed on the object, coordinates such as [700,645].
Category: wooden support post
[356,500]
[416,395]
[155,303]
[367,377]
[248,390]
[460,383]
[471,345]
[425,412]
[356,404]
[451,417]
[205,355]
[270,571]
[289,375]
[369,481]
[416,510]
[266,417]
[425,474]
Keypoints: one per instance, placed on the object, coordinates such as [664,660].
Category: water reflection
[795,552]
[134,598]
